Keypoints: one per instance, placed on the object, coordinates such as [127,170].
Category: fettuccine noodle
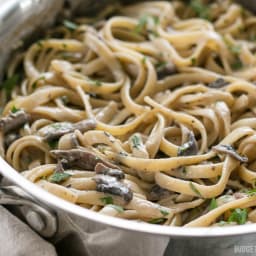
[147,115]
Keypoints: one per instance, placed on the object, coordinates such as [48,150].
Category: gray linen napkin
[72,235]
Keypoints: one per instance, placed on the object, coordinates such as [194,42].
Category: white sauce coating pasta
[163,95]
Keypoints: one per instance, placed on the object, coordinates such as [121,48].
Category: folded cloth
[72,235]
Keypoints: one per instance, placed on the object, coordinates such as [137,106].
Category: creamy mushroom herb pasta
[148,115]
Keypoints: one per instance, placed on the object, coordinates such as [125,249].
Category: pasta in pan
[147,115]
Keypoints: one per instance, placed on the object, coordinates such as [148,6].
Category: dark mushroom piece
[74,141]
[80,158]
[218,83]
[166,69]
[105,170]
[56,130]
[111,185]
[157,193]
[14,121]
[227,149]
[189,148]
[10,138]
[59,167]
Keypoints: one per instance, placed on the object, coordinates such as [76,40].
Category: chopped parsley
[251,192]
[118,208]
[213,204]
[143,60]
[157,221]
[237,65]
[14,109]
[182,149]
[39,44]
[236,49]
[193,61]
[136,143]
[70,25]
[192,186]
[96,82]
[64,99]
[164,212]
[239,216]
[9,84]
[141,24]
[59,177]
[34,85]
[53,144]
[143,21]
[184,170]
[156,20]
[222,223]
[200,9]
[160,65]
[107,200]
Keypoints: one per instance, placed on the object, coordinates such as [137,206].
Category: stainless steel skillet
[20,18]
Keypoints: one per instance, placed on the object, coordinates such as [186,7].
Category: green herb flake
[222,223]
[182,149]
[143,21]
[237,65]
[200,9]
[252,37]
[164,212]
[39,44]
[59,177]
[53,144]
[192,186]
[64,45]
[96,82]
[107,200]
[160,65]
[153,33]
[14,109]
[141,24]
[118,208]
[193,61]
[34,85]
[236,49]
[64,99]
[157,221]
[136,141]
[184,170]
[70,25]
[239,216]
[251,192]
[143,60]
[9,84]
[156,20]
[213,204]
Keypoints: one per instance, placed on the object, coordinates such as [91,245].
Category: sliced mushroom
[218,83]
[56,130]
[157,193]
[14,121]
[227,149]
[189,148]
[111,185]
[80,158]
[10,138]
[59,167]
[105,170]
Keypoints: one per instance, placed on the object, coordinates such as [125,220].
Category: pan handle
[38,216]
